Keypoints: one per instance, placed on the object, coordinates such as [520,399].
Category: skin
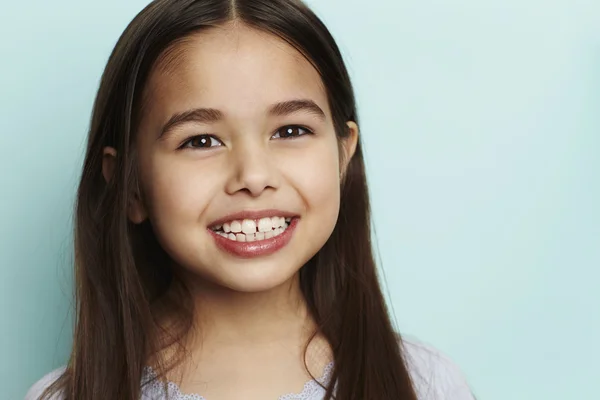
[248,309]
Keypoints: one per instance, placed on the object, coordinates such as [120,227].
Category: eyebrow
[211,115]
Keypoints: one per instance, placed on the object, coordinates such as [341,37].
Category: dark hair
[121,272]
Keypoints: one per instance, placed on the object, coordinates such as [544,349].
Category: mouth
[254,234]
[252,230]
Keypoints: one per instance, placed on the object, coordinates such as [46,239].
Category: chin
[256,279]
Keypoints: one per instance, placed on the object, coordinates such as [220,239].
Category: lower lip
[256,248]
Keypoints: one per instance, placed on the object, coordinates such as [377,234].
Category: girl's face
[239,161]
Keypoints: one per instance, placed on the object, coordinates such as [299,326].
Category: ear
[136,212]
[349,144]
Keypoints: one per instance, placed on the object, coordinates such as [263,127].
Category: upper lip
[251,214]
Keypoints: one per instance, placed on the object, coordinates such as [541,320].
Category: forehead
[234,68]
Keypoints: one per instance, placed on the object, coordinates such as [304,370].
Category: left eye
[202,142]
[290,131]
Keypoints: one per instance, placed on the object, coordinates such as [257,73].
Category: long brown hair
[121,272]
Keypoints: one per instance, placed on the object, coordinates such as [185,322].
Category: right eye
[202,142]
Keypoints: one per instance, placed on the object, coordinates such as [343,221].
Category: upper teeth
[250,226]
[246,230]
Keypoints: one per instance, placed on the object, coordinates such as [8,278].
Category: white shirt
[434,375]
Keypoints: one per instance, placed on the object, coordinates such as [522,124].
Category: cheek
[314,172]
[178,190]
[177,194]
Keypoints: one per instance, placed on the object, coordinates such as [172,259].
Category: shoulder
[36,390]
[435,376]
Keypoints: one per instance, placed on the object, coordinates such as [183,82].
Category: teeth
[265,225]
[248,226]
[277,222]
[236,226]
[246,230]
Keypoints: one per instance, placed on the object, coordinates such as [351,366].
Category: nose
[252,170]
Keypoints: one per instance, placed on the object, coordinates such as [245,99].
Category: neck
[243,325]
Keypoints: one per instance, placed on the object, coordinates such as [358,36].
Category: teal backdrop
[481,122]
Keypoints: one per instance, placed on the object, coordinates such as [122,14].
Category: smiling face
[237,135]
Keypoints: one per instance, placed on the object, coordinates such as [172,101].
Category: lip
[252,215]
[259,248]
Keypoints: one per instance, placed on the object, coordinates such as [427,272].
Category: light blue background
[481,122]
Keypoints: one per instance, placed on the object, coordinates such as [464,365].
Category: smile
[251,230]
[253,234]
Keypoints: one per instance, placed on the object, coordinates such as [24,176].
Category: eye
[202,142]
[291,131]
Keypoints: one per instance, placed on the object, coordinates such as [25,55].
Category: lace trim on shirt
[311,388]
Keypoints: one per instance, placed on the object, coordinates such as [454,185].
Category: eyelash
[187,143]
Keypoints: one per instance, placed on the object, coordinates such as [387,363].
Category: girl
[222,225]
